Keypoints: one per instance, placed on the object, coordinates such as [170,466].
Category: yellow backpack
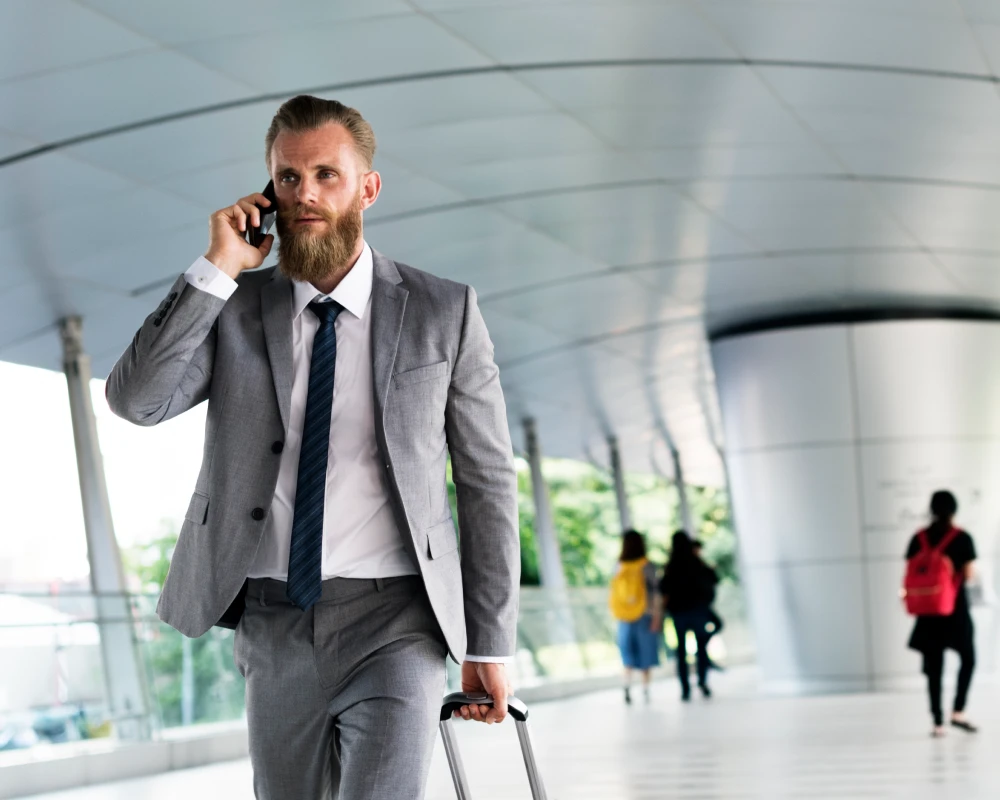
[628,600]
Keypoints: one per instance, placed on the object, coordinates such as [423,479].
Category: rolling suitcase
[517,710]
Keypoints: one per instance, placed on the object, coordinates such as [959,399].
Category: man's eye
[328,174]
[287,178]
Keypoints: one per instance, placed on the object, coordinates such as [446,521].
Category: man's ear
[371,186]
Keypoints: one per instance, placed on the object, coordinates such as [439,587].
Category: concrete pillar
[549,559]
[685,506]
[616,470]
[123,675]
[837,433]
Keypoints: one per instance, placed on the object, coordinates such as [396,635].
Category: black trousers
[934,669]
[685,621]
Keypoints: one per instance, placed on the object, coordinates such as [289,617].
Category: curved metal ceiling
[615,178]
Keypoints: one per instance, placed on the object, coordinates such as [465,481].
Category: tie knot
[327,312]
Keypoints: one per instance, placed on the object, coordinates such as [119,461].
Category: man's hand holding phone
[228,248]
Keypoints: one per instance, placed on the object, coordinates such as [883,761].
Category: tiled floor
[736,746]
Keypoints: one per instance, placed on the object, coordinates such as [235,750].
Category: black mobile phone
[256,235]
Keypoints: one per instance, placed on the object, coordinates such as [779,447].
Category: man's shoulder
[421,281]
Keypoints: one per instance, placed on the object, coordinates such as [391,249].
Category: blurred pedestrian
[635,603]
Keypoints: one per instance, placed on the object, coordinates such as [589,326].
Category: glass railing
[52,683]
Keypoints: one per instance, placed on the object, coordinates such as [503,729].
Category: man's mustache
[289,215]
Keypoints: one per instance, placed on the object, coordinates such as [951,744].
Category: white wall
[836,436]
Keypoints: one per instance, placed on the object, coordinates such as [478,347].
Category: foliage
[585,515]
[218,687]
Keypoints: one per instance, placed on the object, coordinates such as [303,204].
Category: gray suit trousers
[343,699]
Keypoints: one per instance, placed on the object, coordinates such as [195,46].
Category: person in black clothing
[933,635]
[687,587]
[714,620]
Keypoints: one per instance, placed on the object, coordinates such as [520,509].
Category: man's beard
[304,255]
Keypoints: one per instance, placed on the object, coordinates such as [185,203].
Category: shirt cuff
[204,275]
[491,659]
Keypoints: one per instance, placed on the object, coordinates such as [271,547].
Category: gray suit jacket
[437,390]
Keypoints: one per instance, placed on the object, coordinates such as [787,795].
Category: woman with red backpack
[940,563]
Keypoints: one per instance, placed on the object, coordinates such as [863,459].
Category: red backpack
[931,586]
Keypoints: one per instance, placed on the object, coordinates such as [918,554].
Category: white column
[549,558]
[836,436]
[123,675]
[619,478]
[685,506]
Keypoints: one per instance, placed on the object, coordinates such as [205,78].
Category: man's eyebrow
[317,167]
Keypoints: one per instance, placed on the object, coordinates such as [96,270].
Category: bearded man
[337,384]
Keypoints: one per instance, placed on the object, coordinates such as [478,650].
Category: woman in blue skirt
[638,636]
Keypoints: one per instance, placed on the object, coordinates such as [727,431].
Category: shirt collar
[352,292]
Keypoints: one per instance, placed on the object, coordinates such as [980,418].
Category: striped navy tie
[305,556]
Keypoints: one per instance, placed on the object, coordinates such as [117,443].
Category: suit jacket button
[277,447]
[257,514]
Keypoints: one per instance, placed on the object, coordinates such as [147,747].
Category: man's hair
[307,113]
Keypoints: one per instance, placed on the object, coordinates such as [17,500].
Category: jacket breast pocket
[420,374]
[441,539]
[197,511]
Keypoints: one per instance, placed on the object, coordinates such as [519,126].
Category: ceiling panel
[941,162]
[946,216]
[541,33]
[137,263]
[446,147]
[607,212]
[866,90]
[403,106]
[40,186]
[977,274]
[721,89]
[650,128]
[848,126]
[629,225]
[185,147]
[550,175]
[736,160]
[55,241]
[116,91]
[785,214]
[60,35]
[857,34]
[592,307]
[317,54]
[500,265]
[181,21]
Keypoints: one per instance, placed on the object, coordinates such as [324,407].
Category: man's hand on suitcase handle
[490,678]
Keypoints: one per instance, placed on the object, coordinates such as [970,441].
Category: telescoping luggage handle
[517,710]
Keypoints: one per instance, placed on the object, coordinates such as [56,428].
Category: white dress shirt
[360,535]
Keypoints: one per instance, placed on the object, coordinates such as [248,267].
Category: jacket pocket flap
[197,509]
[420,374]
[441,539]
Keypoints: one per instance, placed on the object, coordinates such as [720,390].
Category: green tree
[218,687]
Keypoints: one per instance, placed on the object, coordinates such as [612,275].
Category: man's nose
[306,192]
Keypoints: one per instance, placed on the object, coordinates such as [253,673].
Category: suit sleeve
[168,367]
[486,482]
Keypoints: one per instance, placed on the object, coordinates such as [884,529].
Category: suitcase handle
[516,708]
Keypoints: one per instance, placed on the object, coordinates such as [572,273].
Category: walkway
[735,747]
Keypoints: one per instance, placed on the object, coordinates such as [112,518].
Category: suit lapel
[388,307]
[276,313]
